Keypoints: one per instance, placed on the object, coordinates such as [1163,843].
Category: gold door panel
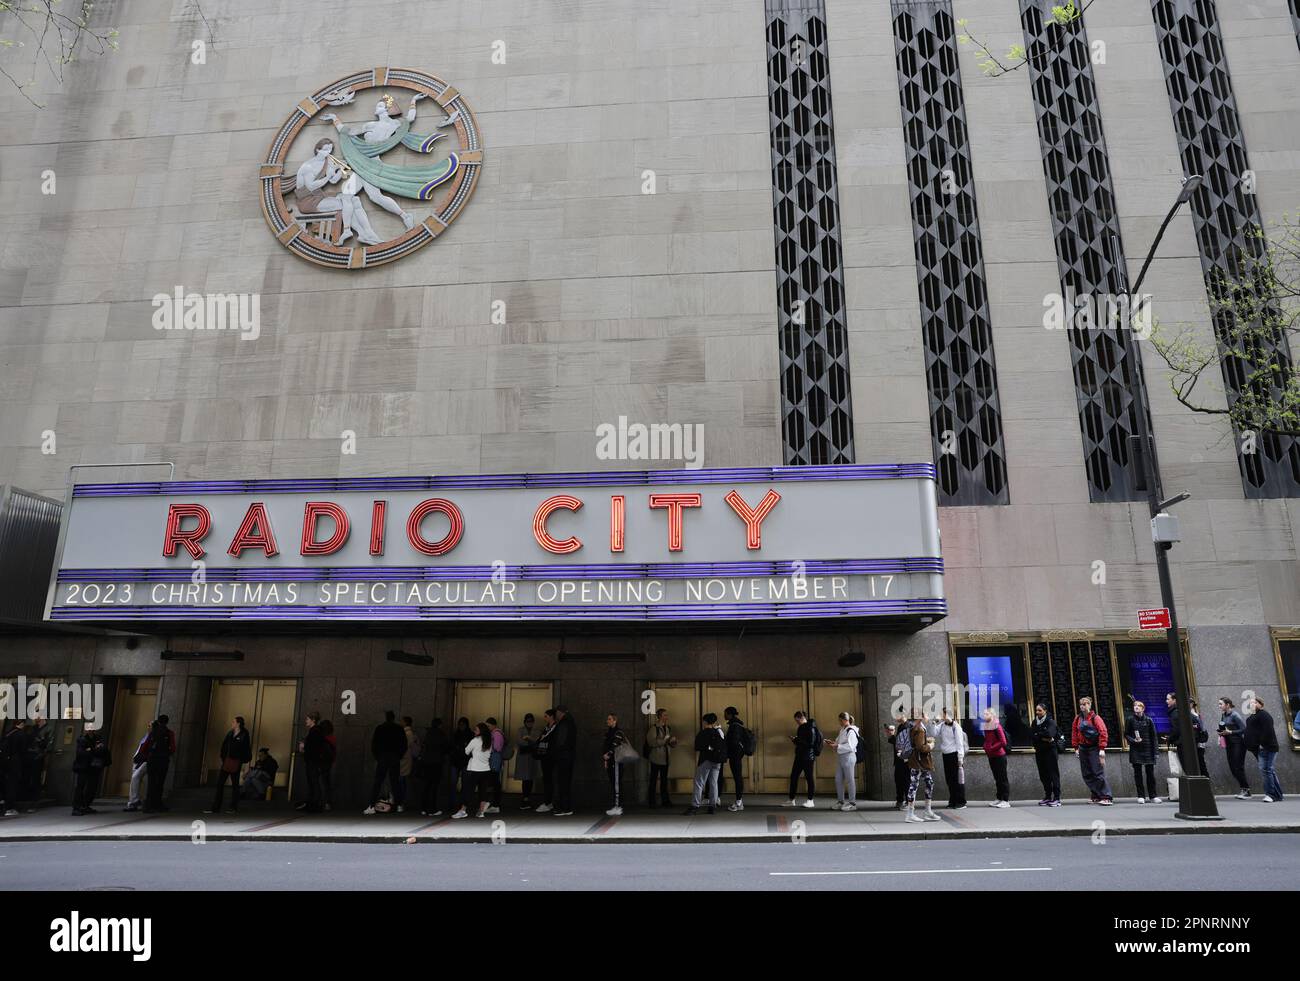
[774,725]
[826,700]
[137,701]
[523,697]
[268,709]
[682,700]
[718,697]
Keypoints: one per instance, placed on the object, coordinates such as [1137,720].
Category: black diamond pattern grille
[965,417]
[816,409]
[1226,217]
[1089,252]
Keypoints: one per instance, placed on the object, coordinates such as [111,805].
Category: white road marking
[915,871]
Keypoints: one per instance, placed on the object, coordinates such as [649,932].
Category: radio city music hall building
[561,354]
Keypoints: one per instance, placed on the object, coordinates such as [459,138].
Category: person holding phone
[996,745]
[953,746]
[902,772]
[1232,737]
[1140,732]
[1046,737]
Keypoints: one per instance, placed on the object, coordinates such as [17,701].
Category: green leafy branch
[53,37]
[1015,57]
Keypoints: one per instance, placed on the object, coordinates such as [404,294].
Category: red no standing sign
[1154,619]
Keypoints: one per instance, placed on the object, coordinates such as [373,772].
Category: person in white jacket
[478,772]
[953,745]
[846,758]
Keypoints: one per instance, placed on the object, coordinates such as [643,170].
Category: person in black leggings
[805,742]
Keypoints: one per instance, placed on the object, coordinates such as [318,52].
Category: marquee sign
[328,204]
[750,544]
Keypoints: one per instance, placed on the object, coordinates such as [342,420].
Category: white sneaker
[544,808]
[563,814]
[850,806]
[1004,803]
[1142,800]
[11,813]
[434,814]
[1268,799]
[492,809]
[370,810]
[995,803]
[931,816]
[913,819]
[837,805]
[459,814]
[615,812]
[401,809]
[1244,795]
[809,803]
[1156,800]
[789,803]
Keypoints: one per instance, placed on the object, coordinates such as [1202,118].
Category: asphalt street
[1137,862]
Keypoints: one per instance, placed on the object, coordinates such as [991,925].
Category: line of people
[24,751]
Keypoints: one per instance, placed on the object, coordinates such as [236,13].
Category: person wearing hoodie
[433,753]
[387,746]
[236,750]
[92,759]
[902,772]
[807,741]
[1046,737]
[1140,732]
[920,764]
[845,745]
[953,746]
[1261,739]
[1232,737]
[1088,735]
[711,747]
[737,741]
[160,748]
[996,745]
[614,738]
[542,752]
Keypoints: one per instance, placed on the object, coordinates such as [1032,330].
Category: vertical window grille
[1229,231]
[965,415]
[1089,251]
[816,408]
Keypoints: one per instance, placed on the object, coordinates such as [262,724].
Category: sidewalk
[762,820]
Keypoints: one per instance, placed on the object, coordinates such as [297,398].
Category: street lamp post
[1195,793]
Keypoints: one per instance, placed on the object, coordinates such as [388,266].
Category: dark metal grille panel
[816,409]
[959,367]
[1226,217]
[1295,19]
[1089,251]
[29,535]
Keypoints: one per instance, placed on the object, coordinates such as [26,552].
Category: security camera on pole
[1196,795]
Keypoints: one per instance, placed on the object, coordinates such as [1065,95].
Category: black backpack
[716,750]
[816,739]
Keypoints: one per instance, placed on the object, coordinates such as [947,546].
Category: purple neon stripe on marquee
[323,485]
[937,607]
[683,570]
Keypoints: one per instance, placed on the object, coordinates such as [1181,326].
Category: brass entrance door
[777,702]
[826,700]
[718,697]
[682,700]
[267,706]
[507,702]
[134,709]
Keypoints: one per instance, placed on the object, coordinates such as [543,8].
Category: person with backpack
[1175,737]
[1140,733]
[160,749]
[807,747]
[1232,737]
[846,745]
[614,738]
[1089,736]
[564,747]
[659,743]
[387,746]
[502,751]
[740,743]
[953,746]
[902,773]
[711,747]
[1045,736]
[1261,739]
[92,759]
[312,748]
[996,745]
[236,750]
[920,762]
[433,753]
[525,762]
[542,753]
[478,771]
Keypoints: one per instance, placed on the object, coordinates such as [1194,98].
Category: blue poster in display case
[1151,677]
[982,673]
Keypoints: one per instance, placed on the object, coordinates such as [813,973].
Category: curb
[765,838]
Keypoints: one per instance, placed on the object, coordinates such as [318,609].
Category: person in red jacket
[996,745]
[1089,737]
